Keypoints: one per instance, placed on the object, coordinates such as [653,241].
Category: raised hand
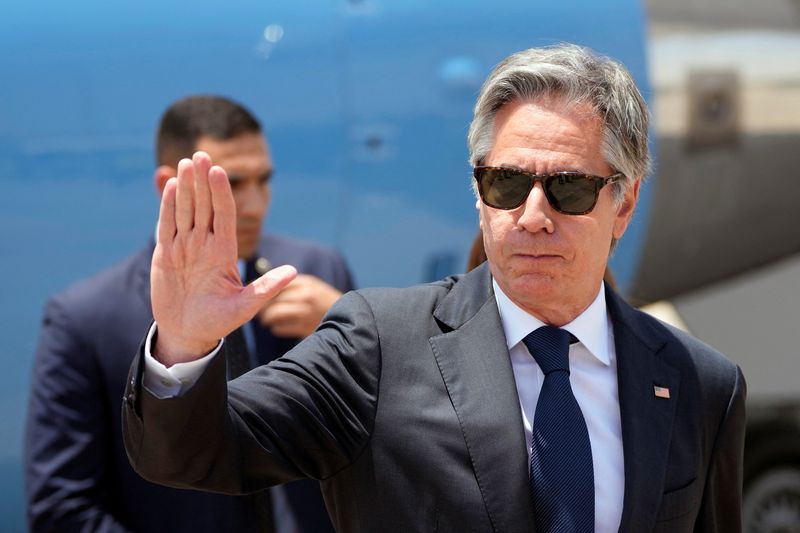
[196,292]
[299,308]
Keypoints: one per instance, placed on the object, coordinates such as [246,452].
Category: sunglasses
[571,193]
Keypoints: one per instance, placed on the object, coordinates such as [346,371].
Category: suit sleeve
[67,435]
[308,414]
[721,508]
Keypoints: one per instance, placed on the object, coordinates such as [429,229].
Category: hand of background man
[299,308]
[196,292]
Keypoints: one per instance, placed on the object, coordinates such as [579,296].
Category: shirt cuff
[163,382]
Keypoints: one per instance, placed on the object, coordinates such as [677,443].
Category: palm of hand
[196,292]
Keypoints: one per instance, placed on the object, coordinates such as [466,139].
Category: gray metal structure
[722,255]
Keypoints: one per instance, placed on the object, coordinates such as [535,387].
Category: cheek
[592,249]
[496,229]
[251,200]
[267,196]
[237,200]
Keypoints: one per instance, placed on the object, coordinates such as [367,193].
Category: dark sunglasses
[571,193]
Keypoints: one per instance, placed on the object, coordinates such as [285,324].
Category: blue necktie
[562,477]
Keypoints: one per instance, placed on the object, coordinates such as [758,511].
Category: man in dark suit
[78,478]
[523,396]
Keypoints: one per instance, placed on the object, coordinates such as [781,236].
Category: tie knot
[549,346]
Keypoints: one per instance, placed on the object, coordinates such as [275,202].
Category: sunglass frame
[478,173]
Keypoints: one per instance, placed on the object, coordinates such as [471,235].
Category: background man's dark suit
[77,474]
[404,404]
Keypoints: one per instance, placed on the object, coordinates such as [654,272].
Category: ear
[160,177]
[626,208]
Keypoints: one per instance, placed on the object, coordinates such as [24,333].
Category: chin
[533,286]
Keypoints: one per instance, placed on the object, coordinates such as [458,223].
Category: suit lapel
[142,274]
[646,419]
[267,347]
[476,368]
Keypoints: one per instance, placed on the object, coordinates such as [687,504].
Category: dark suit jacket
[404,405]
[77,475]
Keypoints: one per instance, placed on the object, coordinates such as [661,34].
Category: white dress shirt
[593,376]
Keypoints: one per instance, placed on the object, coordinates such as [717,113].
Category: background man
[78,477]
[524,395]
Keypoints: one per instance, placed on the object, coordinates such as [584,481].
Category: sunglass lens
[572,194]
[504,189]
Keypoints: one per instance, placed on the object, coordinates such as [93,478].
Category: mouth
[538,255]
[539,259]
[248,231]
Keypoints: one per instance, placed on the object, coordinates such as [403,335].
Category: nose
[251,199]
[536,212]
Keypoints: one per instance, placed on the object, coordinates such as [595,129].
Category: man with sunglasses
[524,395]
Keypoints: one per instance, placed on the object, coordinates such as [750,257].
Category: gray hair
[581,76]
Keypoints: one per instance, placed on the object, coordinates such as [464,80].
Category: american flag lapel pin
[661,392]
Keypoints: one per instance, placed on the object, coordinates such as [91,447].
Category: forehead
[548,135]
[247,153]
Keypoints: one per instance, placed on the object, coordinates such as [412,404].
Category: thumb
[257,293]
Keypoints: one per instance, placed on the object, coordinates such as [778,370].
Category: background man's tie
[562,476]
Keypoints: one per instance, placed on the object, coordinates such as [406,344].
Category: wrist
[169,349]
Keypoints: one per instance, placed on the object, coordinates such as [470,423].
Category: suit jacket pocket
[679,502]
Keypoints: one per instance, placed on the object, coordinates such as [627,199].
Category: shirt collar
[590,327]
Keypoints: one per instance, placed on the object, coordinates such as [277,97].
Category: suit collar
[590,327]
[475,366]
[252,267]
[468,294]
[646,419]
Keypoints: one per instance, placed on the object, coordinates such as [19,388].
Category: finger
[302,285]
[202,194]
[222,203]
[294,330]
[291,292]
[282,313]
[166,215]
[184,201]
[267,286]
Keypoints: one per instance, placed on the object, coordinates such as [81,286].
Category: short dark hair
[193,117]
